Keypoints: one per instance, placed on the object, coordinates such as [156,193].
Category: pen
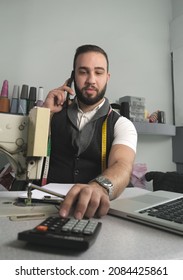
[46,191]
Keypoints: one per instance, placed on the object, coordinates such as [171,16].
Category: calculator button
[69,225]
[90,228]
[80,226]
[42,228]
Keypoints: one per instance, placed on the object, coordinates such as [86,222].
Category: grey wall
[39,38]
[176,35]
[177,8]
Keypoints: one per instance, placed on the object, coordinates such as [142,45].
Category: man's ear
[108,76]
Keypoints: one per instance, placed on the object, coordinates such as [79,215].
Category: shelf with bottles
[155,128]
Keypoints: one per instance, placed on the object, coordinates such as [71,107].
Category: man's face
[91,77]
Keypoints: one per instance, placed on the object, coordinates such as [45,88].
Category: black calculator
[63,233]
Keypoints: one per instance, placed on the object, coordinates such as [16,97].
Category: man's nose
[91,78]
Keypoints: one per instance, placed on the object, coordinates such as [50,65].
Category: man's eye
[82,72]
[99,73]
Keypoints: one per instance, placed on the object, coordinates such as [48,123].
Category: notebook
[160,209]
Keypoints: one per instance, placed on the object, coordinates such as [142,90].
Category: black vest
[76,155]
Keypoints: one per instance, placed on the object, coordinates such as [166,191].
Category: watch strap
[106,184]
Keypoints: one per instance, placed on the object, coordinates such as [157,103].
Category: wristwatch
[106,184]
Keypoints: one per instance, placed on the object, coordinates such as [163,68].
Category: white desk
[118,239]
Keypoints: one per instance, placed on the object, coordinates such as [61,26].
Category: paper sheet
[58,188]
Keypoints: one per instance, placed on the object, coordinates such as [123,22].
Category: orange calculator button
[42,228]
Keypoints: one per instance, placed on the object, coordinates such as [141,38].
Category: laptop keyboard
[171,211]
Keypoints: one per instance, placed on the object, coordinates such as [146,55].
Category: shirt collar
[94,109]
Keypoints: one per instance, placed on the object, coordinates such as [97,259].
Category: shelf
[155,128]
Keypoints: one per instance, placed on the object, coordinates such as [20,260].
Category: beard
[87,100]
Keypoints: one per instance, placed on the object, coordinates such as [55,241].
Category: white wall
[39,38]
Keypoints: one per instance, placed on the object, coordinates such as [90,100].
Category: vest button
[76,172]
[76,157]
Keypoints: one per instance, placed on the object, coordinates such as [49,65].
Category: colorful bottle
[15,100]
[22,107]
[4,100]
[32,98]
[39,102]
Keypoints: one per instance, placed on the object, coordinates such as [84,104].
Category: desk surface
[118,239]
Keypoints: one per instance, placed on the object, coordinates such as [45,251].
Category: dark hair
[89,48]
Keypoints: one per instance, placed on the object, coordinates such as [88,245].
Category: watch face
[104,181]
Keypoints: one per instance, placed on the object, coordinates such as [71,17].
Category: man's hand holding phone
[56,97]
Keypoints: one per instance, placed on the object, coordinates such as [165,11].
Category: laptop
[160,209]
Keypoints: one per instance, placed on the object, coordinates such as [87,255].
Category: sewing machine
[23,139]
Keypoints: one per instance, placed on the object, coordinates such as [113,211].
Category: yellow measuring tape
[104,145]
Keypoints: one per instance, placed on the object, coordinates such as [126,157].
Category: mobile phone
[69,84]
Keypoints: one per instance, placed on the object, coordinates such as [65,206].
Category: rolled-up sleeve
[125,133]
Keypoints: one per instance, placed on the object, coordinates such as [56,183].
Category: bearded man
[92,146]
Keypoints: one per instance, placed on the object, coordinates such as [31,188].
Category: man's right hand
[56,98]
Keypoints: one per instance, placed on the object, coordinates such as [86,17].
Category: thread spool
[4,105]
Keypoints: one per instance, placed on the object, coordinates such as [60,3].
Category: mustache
[90,87]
